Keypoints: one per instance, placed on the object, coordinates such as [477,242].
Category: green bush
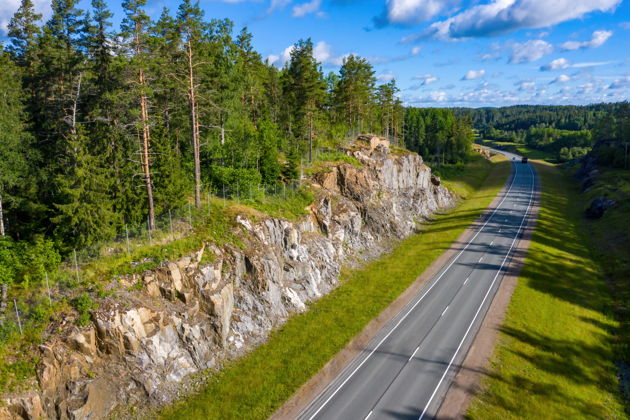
[27,262]
[83,304]
[236,180]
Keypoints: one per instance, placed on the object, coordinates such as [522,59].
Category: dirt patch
[467,382]
[318,383]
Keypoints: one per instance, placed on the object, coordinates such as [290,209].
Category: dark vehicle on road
[524,160]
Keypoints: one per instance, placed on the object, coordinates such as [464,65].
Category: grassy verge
[520,149]
[555,353]
[256,385]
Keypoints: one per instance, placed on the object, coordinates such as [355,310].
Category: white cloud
[529,51]
[304,9]
[597,40]
[474,74]
[557,64]
[503,16]
[622,83]
[526,85]
[427,79]
[416,50]
[563,78]
[9,7]
[322,52]
[386,77]
[275,4]
[409,12]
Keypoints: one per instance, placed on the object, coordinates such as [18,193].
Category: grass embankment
[555,353]
[520,149]
[259,383]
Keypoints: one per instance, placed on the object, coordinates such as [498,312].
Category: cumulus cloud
[529,51]
[474,74]
[322,52]
[410,12]
[557,64]
[386,77]
[597,40]
[526,85]
[563,78]
[416,50]
[426,79]
[503,16]
[301,10]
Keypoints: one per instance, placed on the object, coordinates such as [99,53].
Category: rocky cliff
[143,346]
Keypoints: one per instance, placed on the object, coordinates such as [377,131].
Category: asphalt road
[406,369]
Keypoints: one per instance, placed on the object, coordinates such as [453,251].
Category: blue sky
[446,52]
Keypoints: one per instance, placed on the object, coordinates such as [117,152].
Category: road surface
[406,369]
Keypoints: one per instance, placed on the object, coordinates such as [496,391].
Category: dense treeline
[564,131]
[102,127]
[521,117]
[438,134]
[612,133]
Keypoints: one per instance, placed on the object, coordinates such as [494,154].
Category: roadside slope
[255,386]
[555,351]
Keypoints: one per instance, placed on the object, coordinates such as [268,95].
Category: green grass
[464,178]
[554,359]
[254,386]
[520,149]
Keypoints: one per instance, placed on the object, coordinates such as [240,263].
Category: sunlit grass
[555,353]
[520,149]
[256,385]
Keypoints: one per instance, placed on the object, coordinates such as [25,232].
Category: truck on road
[524,159]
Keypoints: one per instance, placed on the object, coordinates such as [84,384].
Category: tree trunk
[1,218]
[3,301]
[146,145]
[310,139]
[195,125]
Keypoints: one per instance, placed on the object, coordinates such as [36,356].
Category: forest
[567,132]
[104,128]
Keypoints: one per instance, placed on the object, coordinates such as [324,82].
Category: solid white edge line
[368,416]
[482,302]
[443,312]
[419,300]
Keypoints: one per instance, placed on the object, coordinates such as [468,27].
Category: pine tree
[84,213]
[134,29]
[355,91]
[23,31]
[304,90]
[16,142]
[192,28]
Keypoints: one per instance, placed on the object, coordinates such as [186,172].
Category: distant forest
[568,132]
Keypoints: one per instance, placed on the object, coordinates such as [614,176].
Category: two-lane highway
[406,369]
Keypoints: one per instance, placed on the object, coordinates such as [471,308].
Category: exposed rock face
[188,317]
[598,207]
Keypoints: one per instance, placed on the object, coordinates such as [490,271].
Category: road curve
[405,370]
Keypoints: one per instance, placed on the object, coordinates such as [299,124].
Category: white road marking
[419,300]
[466,281]
[368,416]
[480,259]
[414,353]
[491,243]
[444,311]
[482,302]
